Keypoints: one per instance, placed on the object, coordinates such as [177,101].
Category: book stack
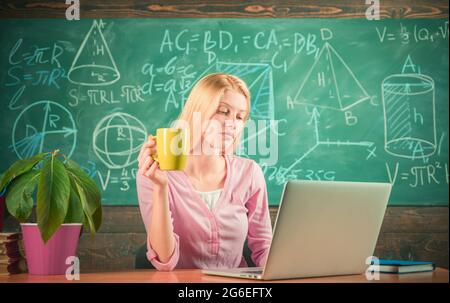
[12,257]
[403,267]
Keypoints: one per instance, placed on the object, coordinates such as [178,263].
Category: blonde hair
[205,97]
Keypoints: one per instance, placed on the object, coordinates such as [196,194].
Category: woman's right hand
[149,167]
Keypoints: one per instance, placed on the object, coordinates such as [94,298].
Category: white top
[210,197]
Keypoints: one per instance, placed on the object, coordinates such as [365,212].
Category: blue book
[403,267]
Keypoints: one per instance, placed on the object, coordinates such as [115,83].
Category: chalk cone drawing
[117,140]
[52,127]
[93,64]
[409,115]
[330,83]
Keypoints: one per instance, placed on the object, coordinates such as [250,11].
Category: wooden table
[440,275]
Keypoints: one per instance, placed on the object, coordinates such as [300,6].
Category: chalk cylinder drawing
[409,115]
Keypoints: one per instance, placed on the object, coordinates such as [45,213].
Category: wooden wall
[225,9]
[419,233]
[407,233]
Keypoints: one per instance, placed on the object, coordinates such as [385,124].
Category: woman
[200,217]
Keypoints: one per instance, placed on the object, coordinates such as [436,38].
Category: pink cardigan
[214,239]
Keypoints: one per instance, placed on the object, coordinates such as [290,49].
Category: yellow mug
[172,148]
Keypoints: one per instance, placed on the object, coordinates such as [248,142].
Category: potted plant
[67,199]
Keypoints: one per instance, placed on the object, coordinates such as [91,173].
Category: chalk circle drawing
[117,140]
[52,127]
[93,64]
[330,83]
[409,115]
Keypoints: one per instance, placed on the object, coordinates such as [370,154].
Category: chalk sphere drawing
[51,127]
[409,115]
[117,140]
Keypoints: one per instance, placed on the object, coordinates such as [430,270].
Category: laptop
[323,228]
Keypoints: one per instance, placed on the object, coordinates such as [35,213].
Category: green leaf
[75,211]
[85,222]
[1,178]
[53,197]
[87,215]
[19,200]
[20,167]
[97,217]
[92,196]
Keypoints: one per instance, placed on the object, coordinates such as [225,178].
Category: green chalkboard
[332,99]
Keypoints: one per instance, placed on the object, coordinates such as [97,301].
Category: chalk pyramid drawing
[93,64]
[330,83]
[258,77]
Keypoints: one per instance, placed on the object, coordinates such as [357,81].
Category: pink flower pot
[50,258]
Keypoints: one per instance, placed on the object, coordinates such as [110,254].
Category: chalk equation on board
[418,175]
[409,34]
[311,88]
